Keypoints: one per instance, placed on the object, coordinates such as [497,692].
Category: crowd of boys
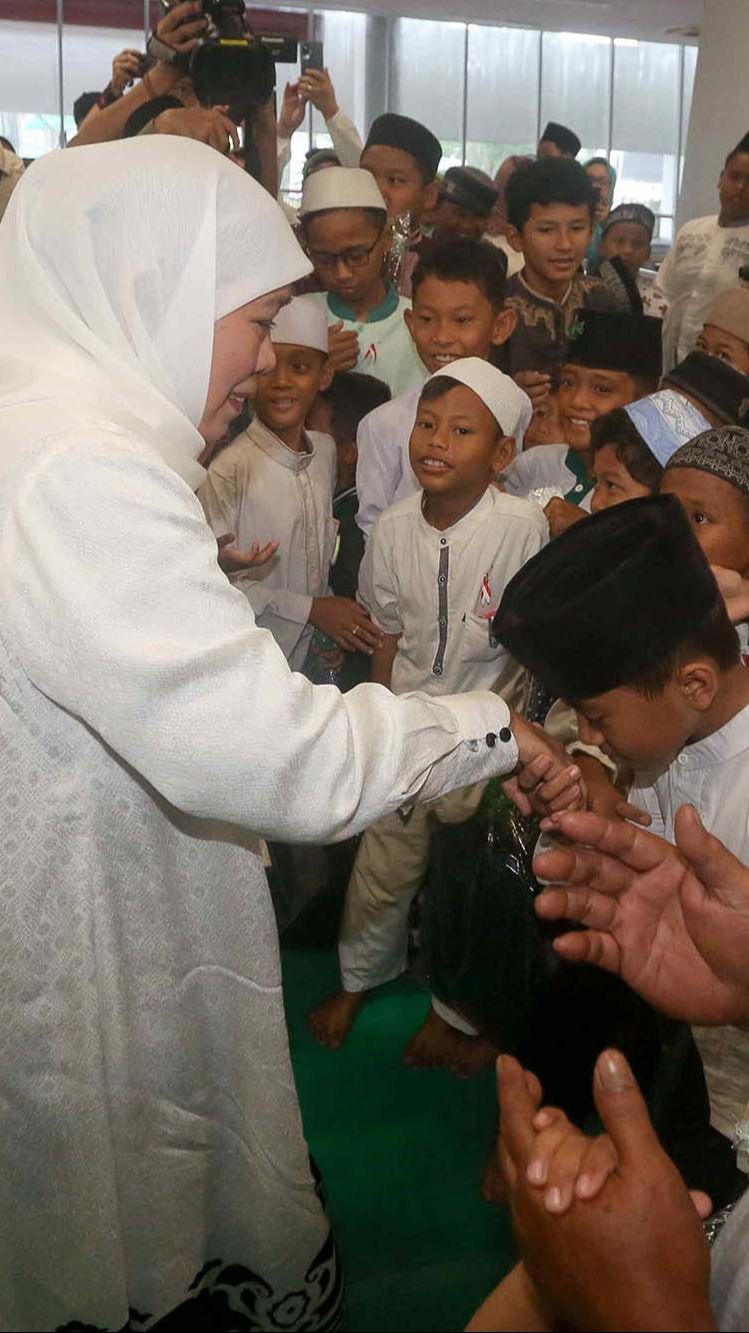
[452,478]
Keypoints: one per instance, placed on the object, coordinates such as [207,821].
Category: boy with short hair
[627,234]
[704,260]
[276,480]
[612,360]
[465,200]
[344,221]
[625,622]
[404,158]
[458,311]
[725,333]
[435,567]
[550,207]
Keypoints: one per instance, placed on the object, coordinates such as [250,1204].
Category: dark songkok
[471,189]
[716,385]
[608,600]
[605,341]
[724,453]
[411,137]
[565,139]
[644,217]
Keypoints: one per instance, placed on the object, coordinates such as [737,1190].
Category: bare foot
[493,1184]
[473,1054]
[334,1019]
[434,1046]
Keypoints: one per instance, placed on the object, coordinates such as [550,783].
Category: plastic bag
[488,955]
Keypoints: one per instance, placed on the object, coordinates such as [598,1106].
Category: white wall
[720,105]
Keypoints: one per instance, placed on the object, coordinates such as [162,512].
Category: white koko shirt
[439,590]
[703,262]
[713,775]
[263,491]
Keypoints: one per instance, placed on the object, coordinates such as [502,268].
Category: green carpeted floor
[401,1154]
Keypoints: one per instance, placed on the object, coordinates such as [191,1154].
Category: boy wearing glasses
[344,221]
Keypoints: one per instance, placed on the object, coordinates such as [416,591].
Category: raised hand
[232,560]
[126,68]
[293,107]
[673,922]
[317,87]
[182,26]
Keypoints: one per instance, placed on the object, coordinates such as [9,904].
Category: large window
[485,90]
[427,79]
[576,87]
[645,147]
[502,94]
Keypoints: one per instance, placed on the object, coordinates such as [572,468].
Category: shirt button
[579,486]
[442,580]
[443,541]
[438,671]
[505,735]
[443,622]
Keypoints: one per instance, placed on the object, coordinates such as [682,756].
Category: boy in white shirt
[623,619]
[434,571]
[344,222]
[704,261]
[458,311]
[277,481]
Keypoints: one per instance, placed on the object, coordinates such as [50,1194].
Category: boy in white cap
[276,481]
[344,221]
[435,568]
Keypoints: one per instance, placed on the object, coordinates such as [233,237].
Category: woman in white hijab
[152,1158]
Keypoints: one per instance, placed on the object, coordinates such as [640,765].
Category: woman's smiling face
[241,350]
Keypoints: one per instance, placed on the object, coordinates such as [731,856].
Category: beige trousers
[389,870]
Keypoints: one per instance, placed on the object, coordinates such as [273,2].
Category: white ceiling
[646,19]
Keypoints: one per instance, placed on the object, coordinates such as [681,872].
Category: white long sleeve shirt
[703,262]
[439,590]
[713,775]
[383,470]
[347,142]
[263,491]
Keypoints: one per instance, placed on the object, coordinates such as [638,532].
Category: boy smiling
[550,207]
[433,572]
[458,311]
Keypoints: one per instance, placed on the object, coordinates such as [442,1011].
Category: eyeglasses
[356,256]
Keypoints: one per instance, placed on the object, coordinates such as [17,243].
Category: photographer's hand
[125,70]
[182,27]
[317,87]
[293,108]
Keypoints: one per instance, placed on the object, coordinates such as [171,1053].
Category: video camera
[231,67]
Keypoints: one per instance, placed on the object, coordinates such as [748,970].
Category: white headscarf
[115,262]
